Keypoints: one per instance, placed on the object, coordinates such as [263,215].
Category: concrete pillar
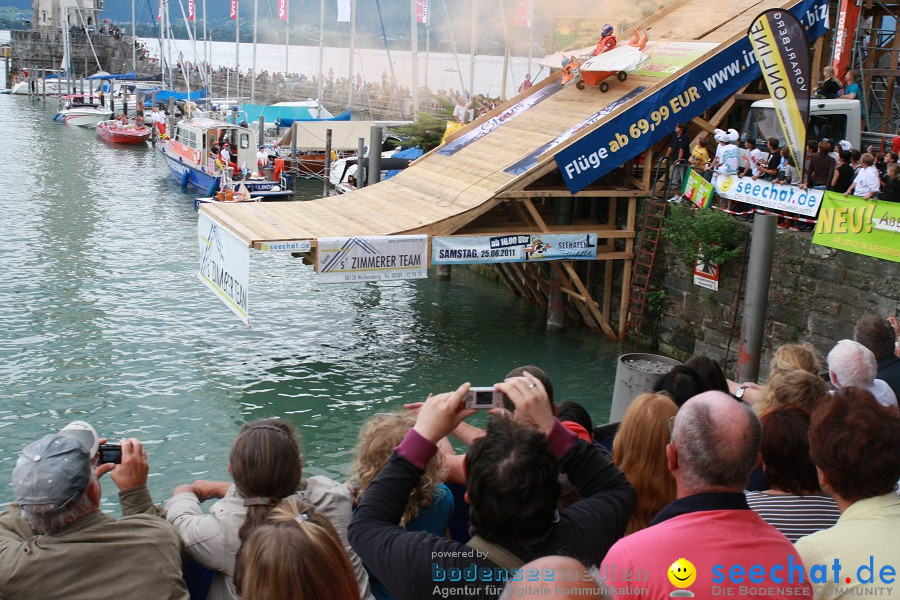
[375,155]
[556,305]
[759,271]
[262,130]
[361,162]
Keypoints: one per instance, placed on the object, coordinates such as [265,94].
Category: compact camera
[484,398]
[109,453]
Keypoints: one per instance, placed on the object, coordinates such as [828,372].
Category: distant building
[47,16]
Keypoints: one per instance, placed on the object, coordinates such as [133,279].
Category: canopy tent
[407,155]
[286,115]
[131,75]
[344,134]
[164,95]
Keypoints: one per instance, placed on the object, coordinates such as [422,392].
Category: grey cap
[55,469]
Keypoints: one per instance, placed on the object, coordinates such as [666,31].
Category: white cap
[85,434]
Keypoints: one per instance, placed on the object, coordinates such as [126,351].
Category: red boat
[114,131]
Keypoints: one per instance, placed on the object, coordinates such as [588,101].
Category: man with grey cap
[56,543]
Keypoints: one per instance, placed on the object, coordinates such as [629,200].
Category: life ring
[196,156]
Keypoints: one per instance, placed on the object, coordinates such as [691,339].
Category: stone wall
[816,295]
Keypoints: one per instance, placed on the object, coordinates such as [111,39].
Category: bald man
[708,542]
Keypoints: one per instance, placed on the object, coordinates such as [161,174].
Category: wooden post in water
[44,84]
[556,305]
[361,163]
[442,272]
[326,185]
[374,174]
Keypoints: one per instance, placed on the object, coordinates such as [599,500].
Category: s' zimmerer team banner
[224,265]
[860,226]
[376,258]
[782,51]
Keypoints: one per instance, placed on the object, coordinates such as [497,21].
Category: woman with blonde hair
[639,450]
[788,357]
[295,555]
[430,503]
[800,388]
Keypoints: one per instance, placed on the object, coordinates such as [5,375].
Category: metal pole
[414,56]
[206,51]
[374,155]
[756,296]
[237,52]
[294,131]
[321,57]
[473,47]
[262,131]
[133,40]
[352,50]
[427,50]
[361,162]
[507,34]
[326,180]
[531,43]
[253,67]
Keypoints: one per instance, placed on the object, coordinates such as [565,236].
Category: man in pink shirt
[708,543]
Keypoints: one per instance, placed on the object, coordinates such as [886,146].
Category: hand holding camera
[530,397]
[440,414]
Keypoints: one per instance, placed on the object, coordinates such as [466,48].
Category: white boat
[83,111]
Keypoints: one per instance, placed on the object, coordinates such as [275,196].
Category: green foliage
[656,297]
[691,231]
[425,132]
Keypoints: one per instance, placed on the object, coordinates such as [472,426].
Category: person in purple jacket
[512,487]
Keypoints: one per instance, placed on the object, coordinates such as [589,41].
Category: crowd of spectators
[784,475]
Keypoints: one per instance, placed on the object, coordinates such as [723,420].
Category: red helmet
[606,30]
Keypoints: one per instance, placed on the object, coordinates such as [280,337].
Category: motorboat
[83,110]
[118,133]
[190,157]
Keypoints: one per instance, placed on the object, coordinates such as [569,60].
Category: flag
[422,11]
[190,10]
[234,9]
[343,7]
[523,13]
[159,12]
[845,31]
[282,10]
[782,51]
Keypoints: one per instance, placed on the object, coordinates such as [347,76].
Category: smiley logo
[682,573]
[725,185]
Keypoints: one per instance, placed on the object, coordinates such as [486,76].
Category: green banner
[697,189]
[860,226]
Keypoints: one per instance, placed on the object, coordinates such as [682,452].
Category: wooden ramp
[440,194]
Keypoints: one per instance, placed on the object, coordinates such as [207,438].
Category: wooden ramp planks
[439,194]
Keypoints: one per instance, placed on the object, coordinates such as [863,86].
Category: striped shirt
[794,516]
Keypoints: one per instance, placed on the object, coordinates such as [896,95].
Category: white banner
[343,11]
[224,265]
[380,258]
[467,250]
[786,198]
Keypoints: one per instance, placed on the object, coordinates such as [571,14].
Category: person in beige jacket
[266,467]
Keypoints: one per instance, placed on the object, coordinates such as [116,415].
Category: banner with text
[282,10]
[224,265]
[531,159]
[377,258]
[668,58]
[468,250]
[422,11]
[523,13]
[844,32]
[630,133]
[579,32]
[191,10]
[494,122]
[343,11]
[697,189]
[233,10]
[786,198]
[295,246]
[860,226]
[782,52]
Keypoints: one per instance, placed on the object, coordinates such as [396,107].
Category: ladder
[645,256]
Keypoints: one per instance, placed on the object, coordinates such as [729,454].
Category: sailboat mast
[473,47]
[205,47]
[414,55]
[253,66]
[351,84]
[133,41]
[237,51]
[321,57]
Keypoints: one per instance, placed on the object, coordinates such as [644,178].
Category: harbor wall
[816,295]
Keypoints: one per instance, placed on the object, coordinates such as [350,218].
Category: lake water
[104,320]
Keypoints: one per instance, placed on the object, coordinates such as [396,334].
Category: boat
[116,132]
[83,110]
[188,153]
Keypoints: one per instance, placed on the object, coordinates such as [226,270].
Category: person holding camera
[56,543]
[512,486]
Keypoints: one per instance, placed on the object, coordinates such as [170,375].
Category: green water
[104,320]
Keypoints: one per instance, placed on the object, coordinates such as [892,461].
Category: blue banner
[530,160]
[647,122]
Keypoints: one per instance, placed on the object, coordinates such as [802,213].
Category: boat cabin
[193,140]
[83,101]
